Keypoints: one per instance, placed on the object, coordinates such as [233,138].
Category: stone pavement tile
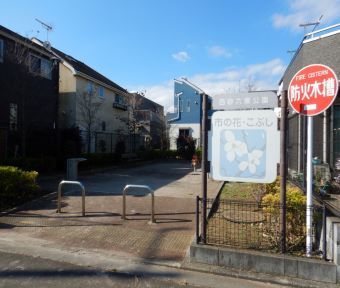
[103,228]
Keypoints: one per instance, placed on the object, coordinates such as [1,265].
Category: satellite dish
[47,45]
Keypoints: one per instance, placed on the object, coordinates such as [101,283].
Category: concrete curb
[237,273]
[293,269]
[48,196]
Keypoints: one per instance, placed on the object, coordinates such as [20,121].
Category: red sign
[313,89]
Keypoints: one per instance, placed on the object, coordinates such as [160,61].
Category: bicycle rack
[127,187]
[62,183]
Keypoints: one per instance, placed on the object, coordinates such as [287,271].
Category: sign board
[313,89]
[243,101]
[245,146]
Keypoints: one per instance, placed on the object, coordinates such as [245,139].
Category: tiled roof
[83,68]
[24,40]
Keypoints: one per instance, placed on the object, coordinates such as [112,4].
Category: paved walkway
[102,229]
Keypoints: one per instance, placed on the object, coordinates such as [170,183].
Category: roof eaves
[306,39]
[24,41]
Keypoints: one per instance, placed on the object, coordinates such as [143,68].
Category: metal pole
[62,183]
[299,144]
[324,233]
[124,204]
[309,172]
[283,169]
[197,219]
[152,207]
[204,166]
[83,200]
[59,197]
[324,137]
[127,187]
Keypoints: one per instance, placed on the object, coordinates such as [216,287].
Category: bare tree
[132,101]
[89,105]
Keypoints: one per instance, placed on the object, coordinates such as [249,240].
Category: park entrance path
[102,229]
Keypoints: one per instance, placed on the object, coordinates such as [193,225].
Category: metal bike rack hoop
[127,187]
[77,183]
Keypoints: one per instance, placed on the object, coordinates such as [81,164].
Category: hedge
[16,186]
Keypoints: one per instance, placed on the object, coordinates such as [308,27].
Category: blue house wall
[189,101]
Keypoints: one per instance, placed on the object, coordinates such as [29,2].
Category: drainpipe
[178,108]
[177,117]
[324,137]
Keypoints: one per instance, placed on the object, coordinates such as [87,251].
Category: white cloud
[260,76]
[306,11]
[181,56]
[219,51]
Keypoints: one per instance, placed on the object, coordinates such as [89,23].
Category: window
[13,117]
[1,50]
[119,102]
[40,66]
[89,88]
[336,137]
[119,99]
[46,68]
[103,126]
[101,92]
[184,132]
[188,106]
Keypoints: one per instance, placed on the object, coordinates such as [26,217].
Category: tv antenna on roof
[315,24]
[48,28]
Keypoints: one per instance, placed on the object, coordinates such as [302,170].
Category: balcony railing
[119,106]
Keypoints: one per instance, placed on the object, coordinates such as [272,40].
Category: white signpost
[311,91]
[245,146]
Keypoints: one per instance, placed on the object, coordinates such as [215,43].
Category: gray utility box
[72,168]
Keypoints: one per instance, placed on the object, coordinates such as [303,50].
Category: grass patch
[240,191]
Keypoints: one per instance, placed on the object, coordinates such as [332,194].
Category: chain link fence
[252,225]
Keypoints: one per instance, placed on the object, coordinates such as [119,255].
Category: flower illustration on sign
[233,147]
[253,161]
[245,153]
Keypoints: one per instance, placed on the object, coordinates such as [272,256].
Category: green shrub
[198,152]
[40,164]
[16,186]
[295,217]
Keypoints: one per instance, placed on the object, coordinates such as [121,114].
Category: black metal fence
[254,225]
[118,143]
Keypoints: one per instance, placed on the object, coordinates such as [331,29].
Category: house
[29,78]
[92,103]
[150,121]
[318,47]
[186,120]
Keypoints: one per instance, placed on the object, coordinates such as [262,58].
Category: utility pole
[204,165]
[283,169]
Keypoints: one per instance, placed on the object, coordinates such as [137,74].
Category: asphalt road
[18,271]
[26,271]
[169,178]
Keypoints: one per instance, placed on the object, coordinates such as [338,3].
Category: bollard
[62,183]
[127,187]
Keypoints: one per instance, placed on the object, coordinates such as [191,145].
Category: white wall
[174,133]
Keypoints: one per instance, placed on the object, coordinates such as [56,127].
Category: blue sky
[220,45]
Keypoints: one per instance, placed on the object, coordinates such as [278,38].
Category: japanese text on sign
[313,89]
[236,122]
[326,88]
